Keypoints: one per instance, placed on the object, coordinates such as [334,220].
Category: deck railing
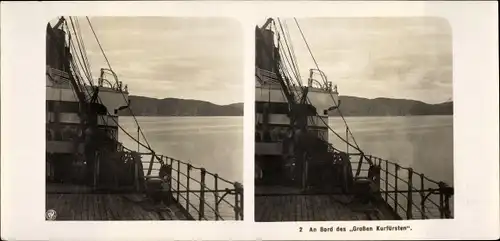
[203,195]
[411,195]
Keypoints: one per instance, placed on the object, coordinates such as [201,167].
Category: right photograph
[353,119]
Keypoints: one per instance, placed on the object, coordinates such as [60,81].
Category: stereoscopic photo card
[249,120]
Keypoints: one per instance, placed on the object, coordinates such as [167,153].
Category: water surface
[214,143]
[424,143]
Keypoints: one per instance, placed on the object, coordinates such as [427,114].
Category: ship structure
[299,175]
[90,175]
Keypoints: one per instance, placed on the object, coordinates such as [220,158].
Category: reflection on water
[424,143]
[214,143]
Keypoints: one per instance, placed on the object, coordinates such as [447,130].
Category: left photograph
[144,118]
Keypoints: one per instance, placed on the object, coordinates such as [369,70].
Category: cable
[109,65]
[324,80]
[72,47]
[78,77]
[84,65]
[293,51]
[83,57]
[293,66]
[83,46]
[345,122]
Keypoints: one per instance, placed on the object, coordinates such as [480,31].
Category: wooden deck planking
[260,212]
[109,214]
[313,208]
[267,211]
[97,213]
[320,213]
[84,207]
[105,207]
[64,206]
[330,212]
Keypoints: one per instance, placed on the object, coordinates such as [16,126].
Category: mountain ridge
[349,106]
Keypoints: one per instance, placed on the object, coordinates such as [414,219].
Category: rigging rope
[78,76]
[292,65]
[294,58]
[77,80]
[86,60]
[109,65]
[286,71]
[324,80]
[289,58]
[76,71]
[78,45]
[78,61]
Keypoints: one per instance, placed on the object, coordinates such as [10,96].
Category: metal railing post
[241,202]
[216,194]
[150,168]
[136,173]
[360,164]
[202,194]
[347,139]
[386,180]
[238,204]
[441,199]
[447,213]
[178,178]
[396,189]
[409,198]
[422,195]
[187,187]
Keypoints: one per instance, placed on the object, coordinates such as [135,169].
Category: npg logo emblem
[50,215]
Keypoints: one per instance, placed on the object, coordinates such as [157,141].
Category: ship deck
[285,204]
[78,203]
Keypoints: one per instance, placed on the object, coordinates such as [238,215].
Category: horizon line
[242,102]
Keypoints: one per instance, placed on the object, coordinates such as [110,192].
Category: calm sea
[424,143]
[216,143]
[213,143]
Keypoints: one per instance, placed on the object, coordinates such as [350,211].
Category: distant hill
[145,106]
[237,105]
[356,106]
[350,106]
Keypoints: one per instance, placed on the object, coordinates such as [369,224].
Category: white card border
[475,93]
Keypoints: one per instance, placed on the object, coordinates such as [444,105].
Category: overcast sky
[379,57]
[202,58]
[191,58]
